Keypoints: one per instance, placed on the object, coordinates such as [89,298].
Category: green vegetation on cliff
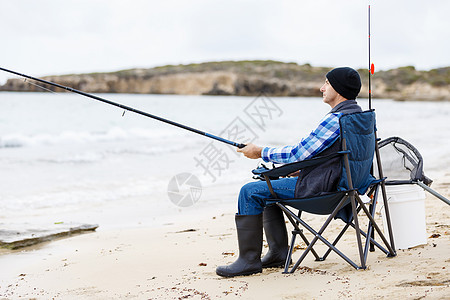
[263,68]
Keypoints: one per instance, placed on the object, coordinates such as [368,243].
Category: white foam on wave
[15,140]
[87,157]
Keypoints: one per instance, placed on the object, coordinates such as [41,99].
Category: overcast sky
[48,37]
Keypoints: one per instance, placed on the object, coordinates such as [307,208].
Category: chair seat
[321,205]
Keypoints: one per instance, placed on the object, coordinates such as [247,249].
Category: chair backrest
[358,131]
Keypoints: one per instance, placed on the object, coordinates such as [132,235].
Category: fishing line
[124,107]
[39,86]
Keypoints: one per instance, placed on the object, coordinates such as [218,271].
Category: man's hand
[251,151]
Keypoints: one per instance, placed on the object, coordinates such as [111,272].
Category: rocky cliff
[246,78]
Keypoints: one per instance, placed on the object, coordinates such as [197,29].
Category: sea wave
[88,157]
[17,140]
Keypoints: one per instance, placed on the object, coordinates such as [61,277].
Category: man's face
[330,96]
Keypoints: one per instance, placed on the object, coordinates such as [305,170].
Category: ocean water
[68,158]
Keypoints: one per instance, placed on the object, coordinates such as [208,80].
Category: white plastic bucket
[407,211]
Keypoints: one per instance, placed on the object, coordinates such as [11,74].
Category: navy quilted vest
[323,179]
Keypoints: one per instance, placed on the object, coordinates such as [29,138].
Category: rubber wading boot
[249,233]
[276,235]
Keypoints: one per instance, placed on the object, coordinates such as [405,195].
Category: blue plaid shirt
[318,140]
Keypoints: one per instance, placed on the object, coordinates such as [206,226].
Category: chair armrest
[287,169]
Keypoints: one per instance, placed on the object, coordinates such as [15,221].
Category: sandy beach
[178,261]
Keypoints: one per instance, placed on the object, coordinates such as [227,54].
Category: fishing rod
[371,67]
[391,246]
[128,108]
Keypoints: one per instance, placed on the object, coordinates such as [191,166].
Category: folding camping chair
[358,142]
[403,164]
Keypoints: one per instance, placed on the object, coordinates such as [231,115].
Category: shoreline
[179,260]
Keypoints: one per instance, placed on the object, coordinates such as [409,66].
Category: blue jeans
[252,196]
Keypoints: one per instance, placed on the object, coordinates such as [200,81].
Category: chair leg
[318,258]
[291,249]
[290,215]
[373,193]
[372,233]
[336,240]
[317,236]
[369,245]
[353,197]
[377,228]
[371,240]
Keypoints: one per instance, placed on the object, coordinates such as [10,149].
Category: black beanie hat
[345,81]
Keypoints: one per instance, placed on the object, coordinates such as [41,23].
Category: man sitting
[341,87]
